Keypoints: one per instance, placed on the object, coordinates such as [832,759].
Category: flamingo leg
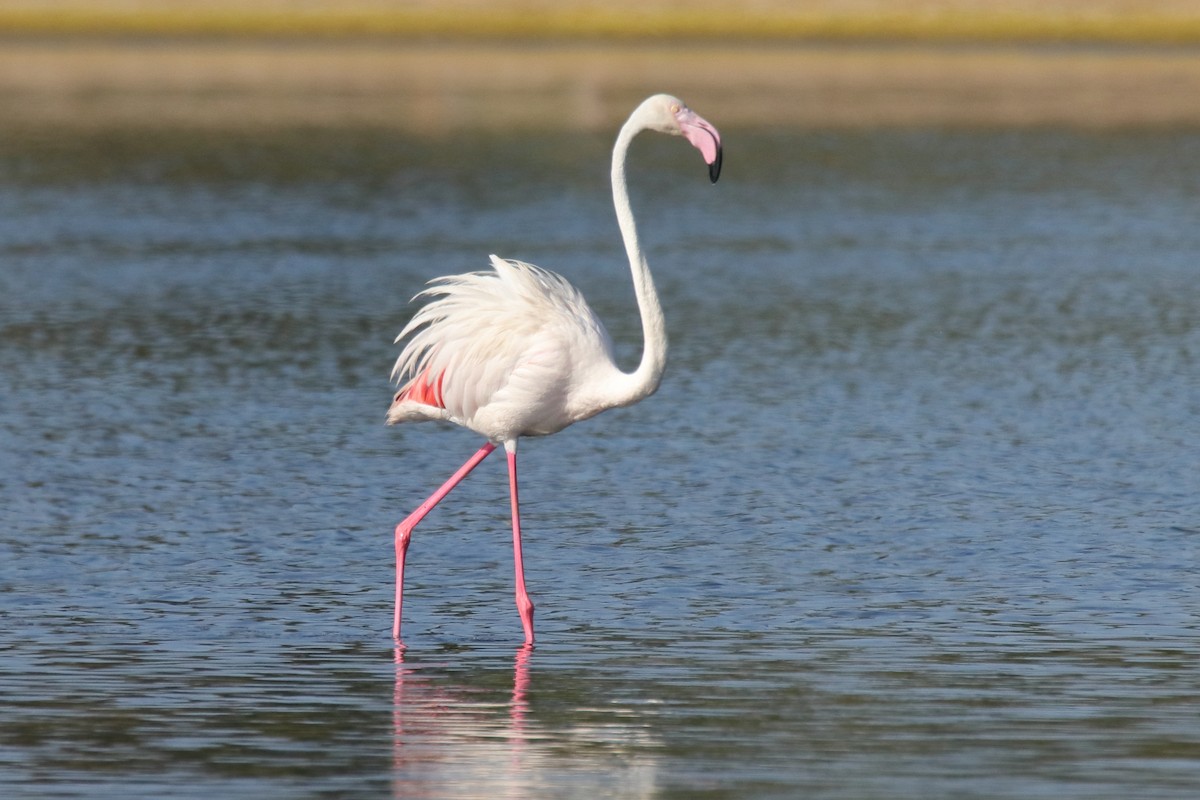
[524,604]
[405,528]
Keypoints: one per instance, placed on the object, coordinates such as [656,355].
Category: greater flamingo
[518,352]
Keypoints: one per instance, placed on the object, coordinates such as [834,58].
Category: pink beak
[704,137]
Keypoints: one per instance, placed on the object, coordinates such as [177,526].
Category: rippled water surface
[915,513]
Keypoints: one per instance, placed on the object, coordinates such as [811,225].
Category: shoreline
[432,87]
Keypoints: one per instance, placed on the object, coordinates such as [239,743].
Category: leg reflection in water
[452,741]
[458,731]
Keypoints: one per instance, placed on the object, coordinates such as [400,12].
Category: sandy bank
[431,87]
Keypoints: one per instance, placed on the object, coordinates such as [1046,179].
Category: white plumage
[513,352]
[517,351]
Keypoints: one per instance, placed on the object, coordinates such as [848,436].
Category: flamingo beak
[704,137]
[714,169]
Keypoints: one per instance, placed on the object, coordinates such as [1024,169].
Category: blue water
[914,514]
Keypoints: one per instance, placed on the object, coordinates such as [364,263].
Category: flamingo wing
[505,341]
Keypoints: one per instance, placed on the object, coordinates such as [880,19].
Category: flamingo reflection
[441,734]
[466,741]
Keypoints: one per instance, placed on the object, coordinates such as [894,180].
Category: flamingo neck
[645,379]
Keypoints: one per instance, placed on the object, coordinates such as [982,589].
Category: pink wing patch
[423,390]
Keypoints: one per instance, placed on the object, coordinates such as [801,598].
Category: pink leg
[405,528]
[524,604]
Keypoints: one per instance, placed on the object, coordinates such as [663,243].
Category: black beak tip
[714,169]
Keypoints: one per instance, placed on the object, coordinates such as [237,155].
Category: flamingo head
[668,114]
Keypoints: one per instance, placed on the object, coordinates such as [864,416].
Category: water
[914,514]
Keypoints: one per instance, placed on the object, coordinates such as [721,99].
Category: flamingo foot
[525,609]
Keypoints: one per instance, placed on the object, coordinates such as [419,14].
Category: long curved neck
[645,379]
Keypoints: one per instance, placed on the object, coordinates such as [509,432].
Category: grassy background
[1112,21]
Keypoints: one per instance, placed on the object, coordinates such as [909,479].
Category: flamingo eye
[675,108]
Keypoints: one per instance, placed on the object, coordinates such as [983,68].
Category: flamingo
[517,351]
